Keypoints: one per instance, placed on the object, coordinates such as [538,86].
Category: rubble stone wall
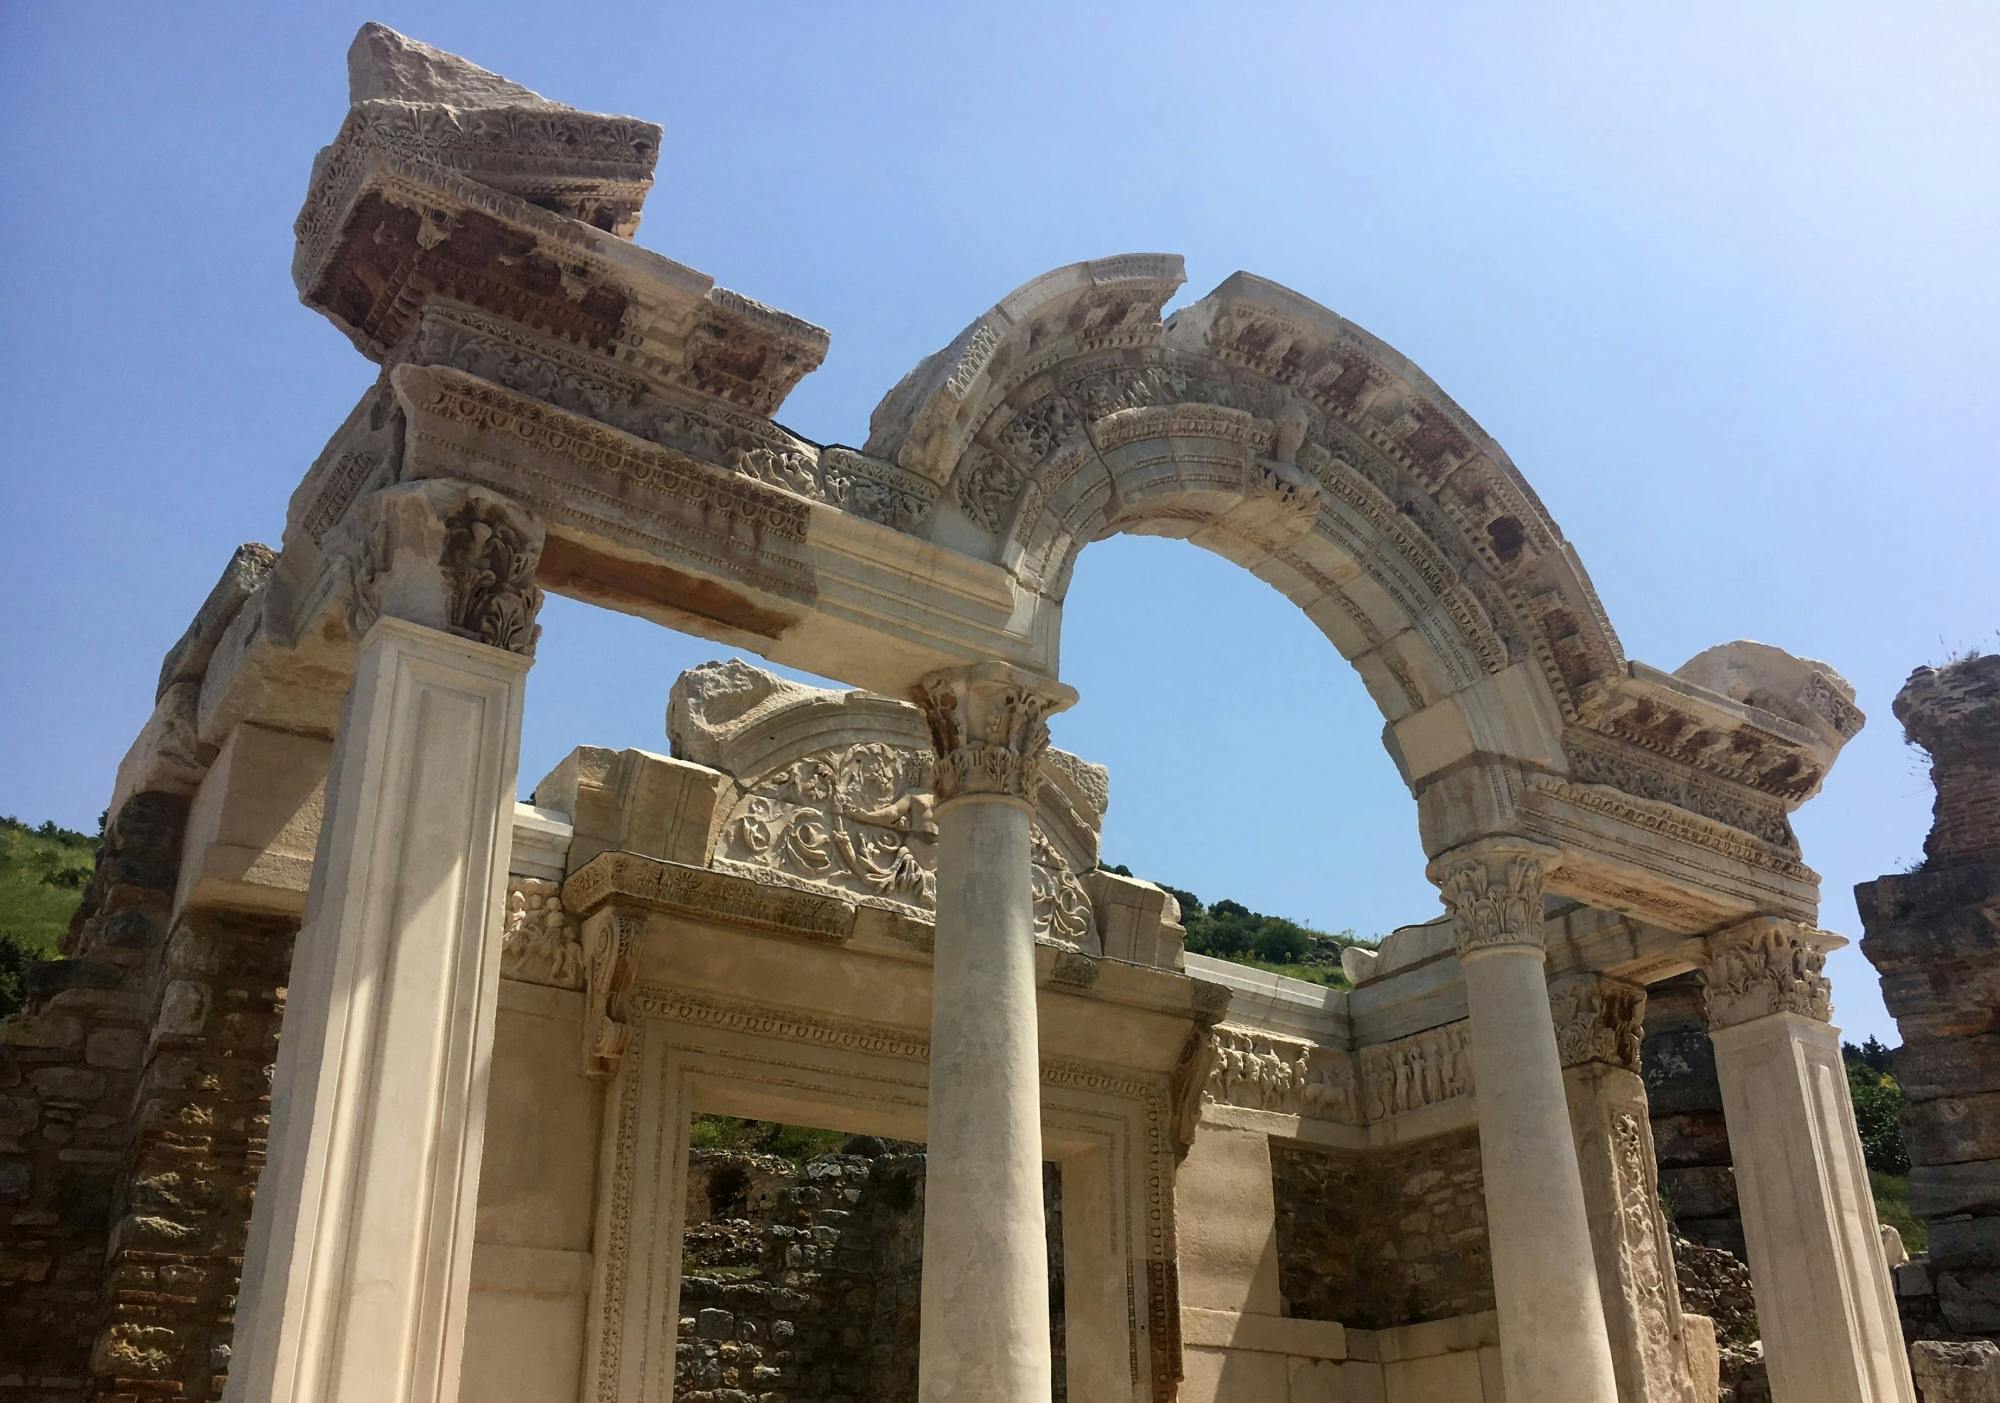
[804,1283]
[70,1063]
[1386,1238]
[1933,934]
[1690,1138]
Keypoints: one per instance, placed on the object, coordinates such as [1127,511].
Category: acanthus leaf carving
[1765,966]
[489,568]
[1597,1019]
[1493,890]
[989,728]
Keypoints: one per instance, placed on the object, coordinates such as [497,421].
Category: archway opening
[1245,753]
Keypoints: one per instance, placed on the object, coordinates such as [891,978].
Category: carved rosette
[1493,890]
[539,943]
[1598,1019]
[1762,967]
[989,726]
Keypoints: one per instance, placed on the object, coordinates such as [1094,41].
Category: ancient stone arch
[562,410]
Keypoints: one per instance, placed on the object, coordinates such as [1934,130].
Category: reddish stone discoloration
[640,587]
[393,257]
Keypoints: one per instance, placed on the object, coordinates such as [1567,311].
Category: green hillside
[42,875]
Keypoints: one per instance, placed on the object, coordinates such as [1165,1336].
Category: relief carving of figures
[1420,1070]
[1598,1019]
[855,817]
[1275,1074]
[858,818]
[539,941]
[1762,967]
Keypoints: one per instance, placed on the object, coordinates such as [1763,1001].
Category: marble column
[1824,1298]
[1553,1342]
[357,1268]
[1599,1022]
[985,1310]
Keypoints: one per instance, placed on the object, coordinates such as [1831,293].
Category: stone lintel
[254,823]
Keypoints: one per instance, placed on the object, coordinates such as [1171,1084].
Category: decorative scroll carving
[1493,890]
[855,817]
[1597,1019]
[1193,1071]
[858,818]
[989,726]
[1641,1254]
[539,941]
[1762,967]
[1265,1073]
[489,569]
[1421,1070]
[988,486]
[609,938]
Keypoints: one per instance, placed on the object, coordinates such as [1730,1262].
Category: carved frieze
[1421,1070]
[1597,1019]
[1266,1073]
[539,942]
[1762,967]
[858,818]
[601,482]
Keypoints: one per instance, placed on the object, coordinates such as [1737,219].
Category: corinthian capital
[1493,890]
[989,725]
[1766,966]
[1598,1019]
[445,555]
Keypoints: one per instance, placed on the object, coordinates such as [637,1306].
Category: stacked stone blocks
[1934,935]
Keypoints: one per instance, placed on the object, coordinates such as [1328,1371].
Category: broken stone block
[1956,1372]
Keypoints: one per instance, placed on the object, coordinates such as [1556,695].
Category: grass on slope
[42,874]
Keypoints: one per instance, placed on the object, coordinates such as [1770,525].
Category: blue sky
[1720,278]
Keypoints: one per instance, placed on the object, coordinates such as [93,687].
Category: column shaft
[985,1324]
[1553,1343]
[1552,1337]
[986,1274]
[1824,1299]
[356,1271]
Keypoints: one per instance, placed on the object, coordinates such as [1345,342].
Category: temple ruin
[481,1027]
